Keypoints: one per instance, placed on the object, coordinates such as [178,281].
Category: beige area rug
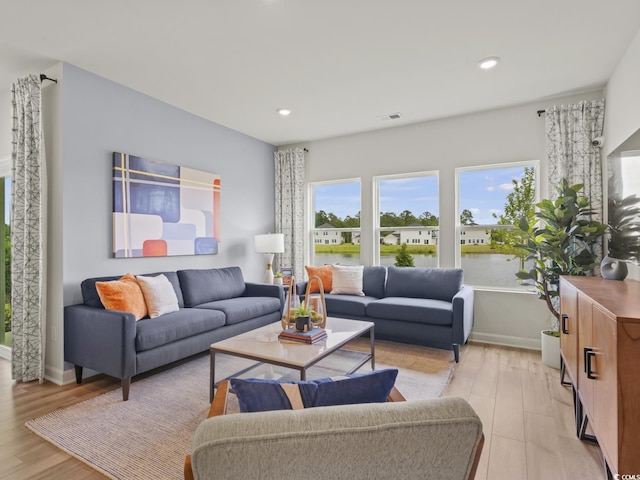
[148,436]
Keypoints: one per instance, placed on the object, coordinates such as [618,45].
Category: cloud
[475,211]
[506,186]
[490,188]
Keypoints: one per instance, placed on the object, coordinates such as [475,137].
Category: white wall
[52,131]
[622,111]
[494,137]
[95,117]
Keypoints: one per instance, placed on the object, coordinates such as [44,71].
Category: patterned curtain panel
[28,233]
[570,130]
[290,203]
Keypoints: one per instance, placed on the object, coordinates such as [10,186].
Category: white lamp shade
[270,243]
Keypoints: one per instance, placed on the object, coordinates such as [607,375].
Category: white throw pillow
[159,295]
[347,280]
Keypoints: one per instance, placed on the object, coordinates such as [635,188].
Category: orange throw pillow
[326,275]
[124,295]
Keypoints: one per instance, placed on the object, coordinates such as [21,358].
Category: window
[490,202]
[408,210]
[336,223]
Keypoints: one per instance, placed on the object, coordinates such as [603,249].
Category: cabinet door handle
[588,355]
[585,350]
[564,323]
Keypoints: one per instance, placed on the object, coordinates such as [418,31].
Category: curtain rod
[540,112]
[43,77]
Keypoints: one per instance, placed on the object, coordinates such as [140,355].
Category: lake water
[490,269]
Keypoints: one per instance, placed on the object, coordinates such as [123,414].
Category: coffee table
[263,345]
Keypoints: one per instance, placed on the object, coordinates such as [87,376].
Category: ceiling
[337,64]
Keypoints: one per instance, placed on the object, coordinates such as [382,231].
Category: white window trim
[458,170]
[375,188]
[311,217]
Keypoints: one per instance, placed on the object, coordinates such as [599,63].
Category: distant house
[327,237]
[355,238]
[391,239]
[422,236]
[474,235]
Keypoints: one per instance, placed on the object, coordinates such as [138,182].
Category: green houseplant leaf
[564,241]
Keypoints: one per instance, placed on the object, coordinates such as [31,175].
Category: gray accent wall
[98,117]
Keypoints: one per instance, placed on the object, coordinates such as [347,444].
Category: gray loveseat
[214,304]
[424,306]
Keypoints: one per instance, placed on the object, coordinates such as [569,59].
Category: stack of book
[312,336]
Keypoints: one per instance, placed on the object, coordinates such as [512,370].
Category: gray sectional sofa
[214,304]
[424,306]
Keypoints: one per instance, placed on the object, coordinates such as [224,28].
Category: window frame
[377,211]
[311,228]
[458,225]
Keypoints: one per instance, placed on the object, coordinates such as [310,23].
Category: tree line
[390,219]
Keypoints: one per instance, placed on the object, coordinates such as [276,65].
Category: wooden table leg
[212,374]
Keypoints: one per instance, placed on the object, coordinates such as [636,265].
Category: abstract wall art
[162,210]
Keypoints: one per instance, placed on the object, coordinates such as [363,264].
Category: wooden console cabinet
[600,349]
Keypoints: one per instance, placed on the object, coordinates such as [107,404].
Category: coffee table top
[262,344]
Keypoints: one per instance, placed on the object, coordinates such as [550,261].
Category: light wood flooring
[526,413]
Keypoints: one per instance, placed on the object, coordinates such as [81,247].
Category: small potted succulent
[277,278]
[302,315]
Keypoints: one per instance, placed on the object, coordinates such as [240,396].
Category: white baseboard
[5,352]
[54,375]
[69,376]
[505,340]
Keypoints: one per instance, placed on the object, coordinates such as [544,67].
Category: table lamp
[269,244]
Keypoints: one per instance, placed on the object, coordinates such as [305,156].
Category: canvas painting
[162,210]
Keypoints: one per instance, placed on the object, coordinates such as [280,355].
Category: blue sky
[483,192]
[341,199]
[418,195]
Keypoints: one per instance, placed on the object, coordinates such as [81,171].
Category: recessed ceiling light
[489,62]
[284,111]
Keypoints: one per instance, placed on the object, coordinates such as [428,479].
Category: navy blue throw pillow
[258,395]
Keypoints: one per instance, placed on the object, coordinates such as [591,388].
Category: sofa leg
[456,352]
[78,374]
[126,383]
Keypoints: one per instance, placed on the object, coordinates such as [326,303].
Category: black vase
[303,324]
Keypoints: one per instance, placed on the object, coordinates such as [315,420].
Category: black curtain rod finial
[43,77]
[540,112]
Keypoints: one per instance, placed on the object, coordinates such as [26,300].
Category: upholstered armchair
[438,438]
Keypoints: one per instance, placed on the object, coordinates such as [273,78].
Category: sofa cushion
[259,395]
[373,281]
[325,273]
[416,310]
[203,286]
[347,280]
[238,310]
[347,304]
[420,282]
[124,295]
[158,295]
[154,332]
[91,298]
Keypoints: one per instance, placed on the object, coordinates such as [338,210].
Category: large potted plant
[563,241]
